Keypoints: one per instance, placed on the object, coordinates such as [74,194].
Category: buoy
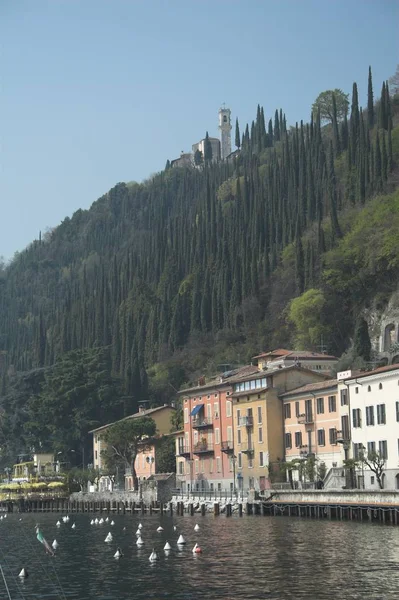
[73,526]
[55,544]
[109,537]
[67,519]
[196,528]
[174,528]
[198,550]
[96,521]
[118,553]
[167,546]
[153,556]
[124,529]
[138,532]
[195,547]
[92,522]
[23,573]
[181,540]
[112,523]
[140,526]
[160,529]
[58,524]
[139,541]
[101,521]
[106,520]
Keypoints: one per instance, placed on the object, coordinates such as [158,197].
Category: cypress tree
[276,127]
[337,144]
[335,228]
[238,139]
[208,155]
[270,132]
[382,114]
[299,261]
[370,102]
[388,107]
[361,340]
[377,162]
[389,157]
[384,158]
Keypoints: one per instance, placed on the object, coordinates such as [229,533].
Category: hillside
[198,267]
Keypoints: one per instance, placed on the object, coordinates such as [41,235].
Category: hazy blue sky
[94,92]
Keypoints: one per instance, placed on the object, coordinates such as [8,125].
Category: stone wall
[363,497]
[149,491]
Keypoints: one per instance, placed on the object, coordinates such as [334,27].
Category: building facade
[312,424]
[215,145]
[225,132]
[315,361]
[374,420]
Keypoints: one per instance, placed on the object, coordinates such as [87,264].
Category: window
[297,413]
[356,417]
[356,450]
[369,415]
[196,465]
[209,412]
[288,440]
[344,397]
[356,390]
[287,410]
[332,404]
[259,414]
[239,460]
[181,468]
[345,427]
[250,462]
[218,467]
[381,419]
[308,411]
[217,435]
[216,395]
[230,435]
[383,449]
[260,435]
[298,439]
[231,464]
[380,386]
[238,417]
[238,436]
[320,406]
[370,447]
[332,435]
[202,465]
[216,410]
[369,388]
[186,415]
[321,438]
[96,454]
[228,408]
[372,480]
[261,459]
[398,446]
[219,487]
[397,411]
[211,465]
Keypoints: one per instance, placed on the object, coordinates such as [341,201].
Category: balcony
[228,447]
[203,448]
[305,419]
[247,421]
[249,449]
[183,451]
[201,423]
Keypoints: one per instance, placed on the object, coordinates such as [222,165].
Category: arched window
[380,386]
[383,480]
[389,337]
[369,388]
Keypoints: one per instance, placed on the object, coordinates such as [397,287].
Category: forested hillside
[196,267]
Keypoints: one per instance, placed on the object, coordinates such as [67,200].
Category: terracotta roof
[385,369]
[310,387]
[278,352]
[143,413]
[305,354]
[222,379]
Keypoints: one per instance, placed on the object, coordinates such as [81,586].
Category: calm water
[249,558]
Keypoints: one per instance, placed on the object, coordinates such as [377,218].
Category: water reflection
[249,558]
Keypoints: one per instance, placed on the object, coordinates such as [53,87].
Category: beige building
[162,415]
[215,144]
[315,361]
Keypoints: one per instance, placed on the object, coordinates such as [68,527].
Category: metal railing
[202,448]
[305,419]
[247,421]
[209,495]
[183,450]
[199,422]
[227,446]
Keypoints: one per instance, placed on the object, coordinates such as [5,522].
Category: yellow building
[259,426]
[162,415]
[41,464]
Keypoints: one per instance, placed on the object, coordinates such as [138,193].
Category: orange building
[312,424]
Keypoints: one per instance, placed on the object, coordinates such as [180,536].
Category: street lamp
[150,460]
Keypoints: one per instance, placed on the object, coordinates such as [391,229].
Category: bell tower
[225,131]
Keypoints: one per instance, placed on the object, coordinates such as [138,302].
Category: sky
[94,92]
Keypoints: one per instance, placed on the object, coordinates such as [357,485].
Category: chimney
[141,408]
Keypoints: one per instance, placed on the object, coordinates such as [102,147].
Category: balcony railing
[183,450]
[201,423]
[248,449]
[305,419]
[247,421]
[203,448]
[227,447]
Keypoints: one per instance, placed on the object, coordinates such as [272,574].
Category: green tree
[370,101]
[375,462]
[237,136]
[324,104]
[361,341]
[126,437]
[198,158]
[306,314]
[166,455]
[208,154]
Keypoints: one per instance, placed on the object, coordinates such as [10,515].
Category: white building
[225,131]
[374,421]
[215,145]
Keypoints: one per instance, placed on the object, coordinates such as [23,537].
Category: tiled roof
[143,413]
[278,352]
[310,387]
[222,379]
[304,354]
[385,369]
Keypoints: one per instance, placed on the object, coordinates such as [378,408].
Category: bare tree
[394,82]
[375,462]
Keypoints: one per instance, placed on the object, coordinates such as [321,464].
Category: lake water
[253,557]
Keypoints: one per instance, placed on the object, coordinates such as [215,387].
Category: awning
[196,410]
